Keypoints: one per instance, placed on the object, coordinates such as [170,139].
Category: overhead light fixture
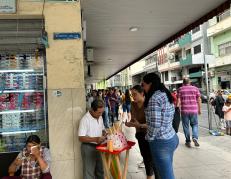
[133,29]
[110,60]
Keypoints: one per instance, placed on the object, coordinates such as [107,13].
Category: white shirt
[90,126]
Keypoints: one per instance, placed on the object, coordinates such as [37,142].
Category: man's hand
[199,111]
[100,139]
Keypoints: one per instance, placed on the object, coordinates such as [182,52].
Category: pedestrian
[176,119]
[159,112]
[91,133]
[34,161]
[139,122]
[190,102]
[227,115]
[117,104]
[126,105]
[106,109]
[100,94]
[218,104]
[112,100]
[93,96]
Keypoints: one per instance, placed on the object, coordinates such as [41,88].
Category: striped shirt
[159,115]
[188,96]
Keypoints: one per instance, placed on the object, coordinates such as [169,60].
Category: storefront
[42,82]
[223,75]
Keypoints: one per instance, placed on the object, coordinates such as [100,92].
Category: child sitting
[227,115]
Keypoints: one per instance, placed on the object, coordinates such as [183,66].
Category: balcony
[196,74]
[220,27]
[174,47]
[185,40]
[197,35]
[221,61]
[187,61]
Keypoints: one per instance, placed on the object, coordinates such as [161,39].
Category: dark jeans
[146,154]
[44,176]
[112,114]
[191,119]
[176,120]
[117,112]
[162,153]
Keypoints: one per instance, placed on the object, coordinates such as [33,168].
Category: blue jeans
[106,118]
[193,120]
[162,154]
[127,108]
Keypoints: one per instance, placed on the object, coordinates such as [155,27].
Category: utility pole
[206,52]
[207,92]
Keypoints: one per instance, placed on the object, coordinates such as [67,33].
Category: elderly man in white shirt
[91,134]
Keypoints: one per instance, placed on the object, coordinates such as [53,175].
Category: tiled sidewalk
[212,160]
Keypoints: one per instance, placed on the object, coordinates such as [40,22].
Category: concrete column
[65,73]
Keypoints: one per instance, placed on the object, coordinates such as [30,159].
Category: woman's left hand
[135,124]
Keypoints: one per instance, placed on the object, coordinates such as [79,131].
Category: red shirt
[174,95]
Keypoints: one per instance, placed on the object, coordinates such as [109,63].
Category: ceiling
[108,23]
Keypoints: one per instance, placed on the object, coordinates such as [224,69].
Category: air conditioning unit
[171,56]
[90,55]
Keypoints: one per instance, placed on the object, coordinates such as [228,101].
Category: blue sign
[67,36]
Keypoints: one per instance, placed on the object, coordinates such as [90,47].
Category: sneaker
[188,144]
[196,143]
[141,165]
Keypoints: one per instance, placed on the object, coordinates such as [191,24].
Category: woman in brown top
[139,122]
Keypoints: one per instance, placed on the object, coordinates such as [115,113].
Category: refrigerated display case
[23,108]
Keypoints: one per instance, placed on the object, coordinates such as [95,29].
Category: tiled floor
[212,160]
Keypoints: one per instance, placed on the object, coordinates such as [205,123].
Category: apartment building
[219,32]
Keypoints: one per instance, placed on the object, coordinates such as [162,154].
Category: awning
[123,32]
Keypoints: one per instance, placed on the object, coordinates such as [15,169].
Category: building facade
[219,33]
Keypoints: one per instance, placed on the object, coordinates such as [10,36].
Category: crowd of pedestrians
[222,109]
[156,113]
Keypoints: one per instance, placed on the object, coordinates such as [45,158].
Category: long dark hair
[156,85]
[127,96]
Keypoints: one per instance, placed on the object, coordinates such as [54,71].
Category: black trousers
[146,154]
[176,120]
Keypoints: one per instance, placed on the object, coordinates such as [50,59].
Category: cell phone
[32,148]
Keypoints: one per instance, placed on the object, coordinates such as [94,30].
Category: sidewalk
[212,160]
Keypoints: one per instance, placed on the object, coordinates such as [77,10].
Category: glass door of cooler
[22,99]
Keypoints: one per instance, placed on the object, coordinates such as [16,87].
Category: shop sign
[67,36]
[7,6]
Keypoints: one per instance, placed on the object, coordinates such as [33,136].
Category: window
[188,52]
[178,56]
[225,49]
[197,29]
[197,49]
[166,76]
[150,60]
